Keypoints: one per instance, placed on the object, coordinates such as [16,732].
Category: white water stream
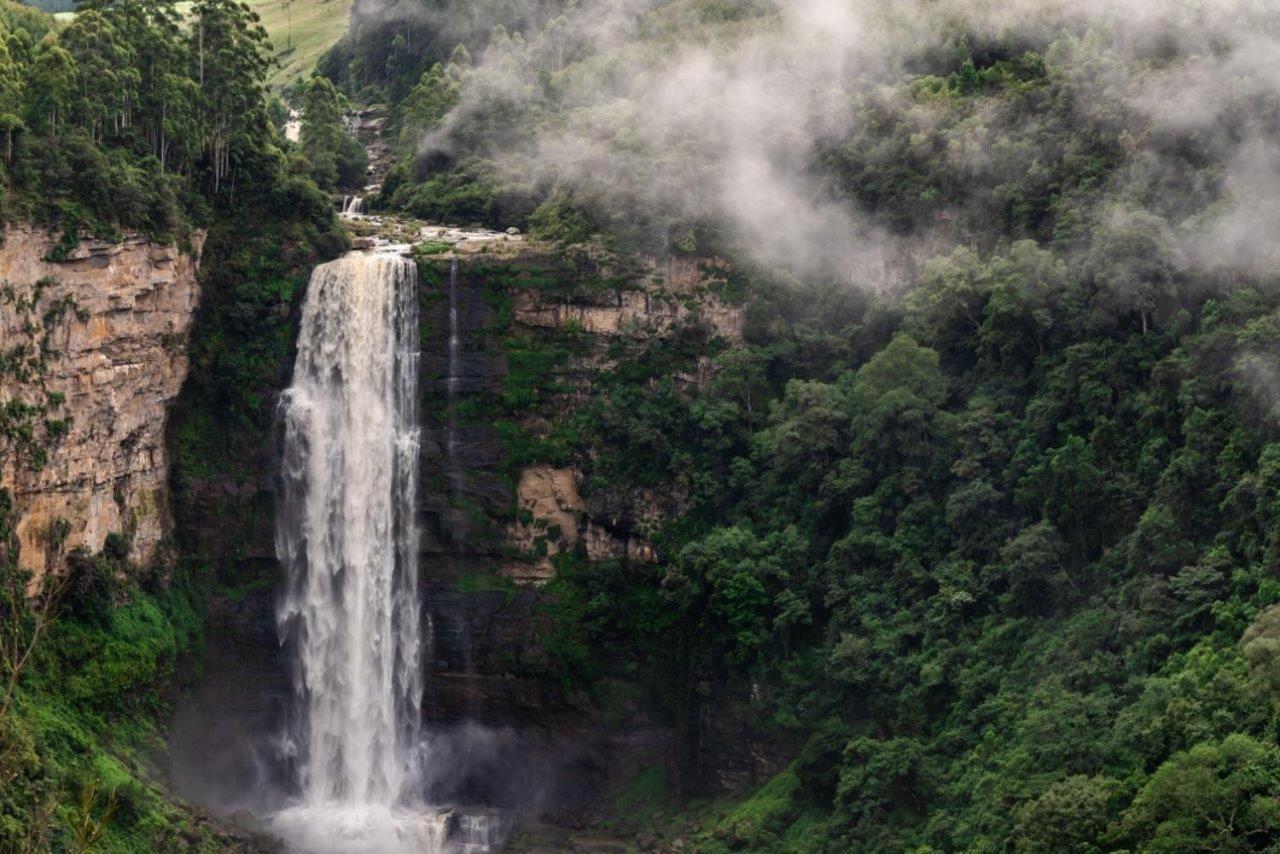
[347,534]
[348,538]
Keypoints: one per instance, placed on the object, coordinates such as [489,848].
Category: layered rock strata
[93,347]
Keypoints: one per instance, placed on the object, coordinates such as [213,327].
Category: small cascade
[478,832]
[293,126]
[455,341]
[352,205]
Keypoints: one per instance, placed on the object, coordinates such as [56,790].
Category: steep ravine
[503,734]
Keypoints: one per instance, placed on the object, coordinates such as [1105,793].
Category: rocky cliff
[92,350]
[535,336]
[491,525]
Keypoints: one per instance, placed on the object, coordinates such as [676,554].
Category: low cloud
[726,128]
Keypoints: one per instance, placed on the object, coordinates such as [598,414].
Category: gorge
[675,426]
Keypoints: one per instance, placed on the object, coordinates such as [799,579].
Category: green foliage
[336,158]
[1071,816]
[1217,796]
[645,794]
[557,220]
[1009,561]
[78,741]
[428,103]
[773,818]
[132,115]
[1000,552]
[465,194]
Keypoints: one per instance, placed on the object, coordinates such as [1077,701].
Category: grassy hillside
[300,31]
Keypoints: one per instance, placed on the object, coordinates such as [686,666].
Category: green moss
[533,364]
[765,815]
[645,794]
[482,582]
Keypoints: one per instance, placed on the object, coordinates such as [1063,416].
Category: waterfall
[454,472]
[347,535]
[452,379]
[352,205]
[455,342]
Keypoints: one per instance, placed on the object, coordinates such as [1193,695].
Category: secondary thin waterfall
[453,378]
[347,533]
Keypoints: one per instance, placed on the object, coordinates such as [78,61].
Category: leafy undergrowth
[771,818]
[81,743]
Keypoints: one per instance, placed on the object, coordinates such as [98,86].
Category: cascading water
[352,205]
[453,378]
[348,537]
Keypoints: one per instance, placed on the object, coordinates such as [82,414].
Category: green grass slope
[301,31]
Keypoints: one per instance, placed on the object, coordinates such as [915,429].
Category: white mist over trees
[724,119]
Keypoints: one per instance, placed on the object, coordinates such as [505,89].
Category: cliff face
[558,508]
[489,530]
[676,292]
[93,348]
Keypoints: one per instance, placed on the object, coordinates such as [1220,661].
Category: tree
[1261,646]
[426,105]
[897,398]
[1071,817]
[733,586]
[1132,264]
[227,46]
[12,97]
[883,780]
[1215,797]
[52,80]
[321,134]
[106,69]
[26,615]
[1035,561]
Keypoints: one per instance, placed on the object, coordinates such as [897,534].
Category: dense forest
[981,516]
[135,117]
[995,548]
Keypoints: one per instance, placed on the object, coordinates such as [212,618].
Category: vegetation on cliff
[989,527]
[134,117]
[87,667]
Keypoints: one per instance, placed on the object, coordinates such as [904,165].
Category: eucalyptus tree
[229,58]
[50,83]
[12,91]
[321,132]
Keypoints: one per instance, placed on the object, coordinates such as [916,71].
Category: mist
[725,122]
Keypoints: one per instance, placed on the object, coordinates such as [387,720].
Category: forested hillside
[966,518]
[124,118]
[983,513]
[131,123]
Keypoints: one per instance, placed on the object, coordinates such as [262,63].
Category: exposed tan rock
[602,545]
[552,517]
[119,357]
[549,509]
[678,292]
